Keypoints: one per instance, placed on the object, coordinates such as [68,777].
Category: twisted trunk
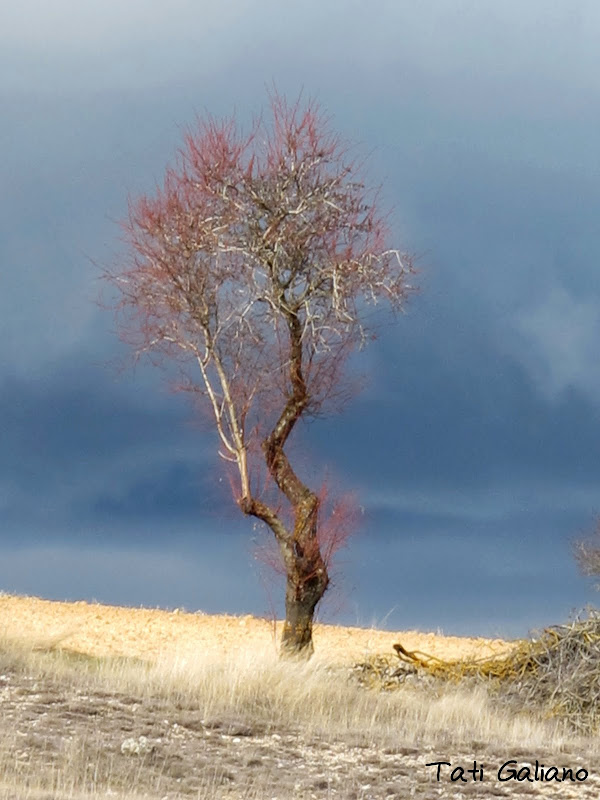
[306,571]
[307,580]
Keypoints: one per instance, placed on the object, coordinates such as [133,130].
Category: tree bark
[306,571]
[301,598]
[307,578]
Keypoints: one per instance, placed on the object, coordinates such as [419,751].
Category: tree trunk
[306,571]
[301,599]
[307,579]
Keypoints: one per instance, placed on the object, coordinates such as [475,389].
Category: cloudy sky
[475,449]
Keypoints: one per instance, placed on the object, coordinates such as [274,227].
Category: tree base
[296,640]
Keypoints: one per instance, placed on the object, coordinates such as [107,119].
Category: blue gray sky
[474,450]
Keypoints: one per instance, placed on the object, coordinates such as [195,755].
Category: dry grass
[259,696]
[260,688]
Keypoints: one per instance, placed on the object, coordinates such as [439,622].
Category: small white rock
[139,747]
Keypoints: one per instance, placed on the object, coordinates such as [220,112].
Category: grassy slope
[92,704]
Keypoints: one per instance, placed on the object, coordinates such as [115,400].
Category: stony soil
[167,750]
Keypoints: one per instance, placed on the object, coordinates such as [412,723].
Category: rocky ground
[168,750]
[163,748]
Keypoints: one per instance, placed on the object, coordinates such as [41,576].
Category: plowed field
[103,630]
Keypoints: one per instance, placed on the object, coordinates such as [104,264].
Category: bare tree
[255,265]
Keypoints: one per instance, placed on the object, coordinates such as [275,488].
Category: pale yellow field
[102,630]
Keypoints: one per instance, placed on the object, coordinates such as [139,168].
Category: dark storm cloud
[132,571]
[78,449]
[476,441]
[449,410]
[462,586]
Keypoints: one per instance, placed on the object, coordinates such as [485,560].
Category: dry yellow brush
[556,673]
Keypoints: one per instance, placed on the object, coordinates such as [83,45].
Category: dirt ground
[102,630]
[186,756]
[166,749]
